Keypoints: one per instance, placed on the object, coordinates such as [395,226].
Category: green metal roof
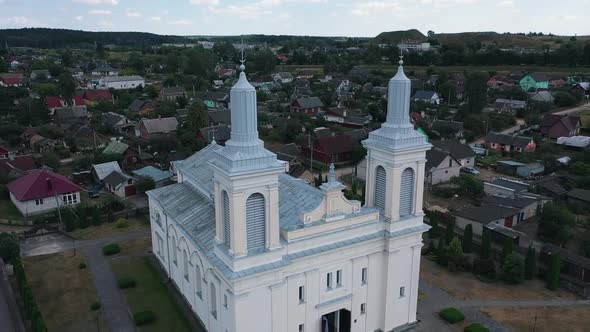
[115,148]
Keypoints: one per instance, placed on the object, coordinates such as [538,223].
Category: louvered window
[226,224]
[380,182]
[255,222]
[406,193]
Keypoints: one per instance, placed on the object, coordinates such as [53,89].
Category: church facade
[253,249]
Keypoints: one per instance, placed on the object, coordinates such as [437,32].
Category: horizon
[316,18]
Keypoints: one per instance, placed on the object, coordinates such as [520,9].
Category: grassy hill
[501,40]
[394,37]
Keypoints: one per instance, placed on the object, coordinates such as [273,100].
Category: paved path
[525,303]
[54,243]
[115,309]
[6,320]
[575,110]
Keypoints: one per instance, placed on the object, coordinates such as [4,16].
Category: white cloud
[133,14]
[505,3]
[79,18]
[204,2]
[16,21]
[252,10]
[106,24]
[100,12]
[156,18]
[98,2]
[181,22]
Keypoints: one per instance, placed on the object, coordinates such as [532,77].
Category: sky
[355,18]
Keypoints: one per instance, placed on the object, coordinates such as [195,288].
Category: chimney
[49,183]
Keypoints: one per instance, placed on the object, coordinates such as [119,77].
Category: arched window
[198,282]
[174,257]
[380,184]
[213,301]
[406,198]
[226,225]
[255,222]
[185,264]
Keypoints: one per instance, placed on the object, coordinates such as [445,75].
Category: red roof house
[93,96]
[16,166]
[11,81]
[331,149]
[53,102]
[79,101]
[41,191]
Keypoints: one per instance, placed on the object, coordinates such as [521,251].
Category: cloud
[156,18]
[16,21]
[250,11]
[100,12]
[106,24]
[181,22]
[204,2]
[98,2]
[505,3]
[133,14]
[79,18]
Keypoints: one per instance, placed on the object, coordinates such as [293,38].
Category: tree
[450,231]
[555,224]
[67,87]
[51,159]
[476,92]
[145,184]
[441,253]
[530,263]
[469,185]
[434,230]
[513,269]
[564,99]
[83,221]
[507,248]
[264,61]
[455,255]
[197,116]
[486,245]
[9,247]
[468,239]
[95,216]
[552,276]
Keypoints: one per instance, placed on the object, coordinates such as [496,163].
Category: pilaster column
[218,212]
[391,288]
[413,291]
[273,217]
[419,193]
[393,193]
[278,306]
[237,216]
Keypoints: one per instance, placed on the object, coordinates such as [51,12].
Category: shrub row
[126,282]
[144,317]
[475,327]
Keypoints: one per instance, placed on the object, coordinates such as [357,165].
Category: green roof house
[128,154]
[534,82]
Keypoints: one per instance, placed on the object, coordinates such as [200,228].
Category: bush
[122,223]
[513,269]
[126,282]
[475,328]
[111,249]
[82,265]
[95,306]
[452,315]
[485,267]
[9,247]
[144,317]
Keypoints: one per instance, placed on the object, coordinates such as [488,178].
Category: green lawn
[150,294]
[9,211]
[110,229]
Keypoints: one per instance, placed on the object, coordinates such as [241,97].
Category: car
[470,170]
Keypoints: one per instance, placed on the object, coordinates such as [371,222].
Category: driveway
[584,107]
[508,131]
[6,321]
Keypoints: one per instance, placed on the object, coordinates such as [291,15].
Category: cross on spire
[401,56]
[242,59]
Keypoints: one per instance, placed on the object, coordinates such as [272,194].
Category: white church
[253,249]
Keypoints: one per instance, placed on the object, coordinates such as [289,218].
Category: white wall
[119,85]
[29,208]
[444,173]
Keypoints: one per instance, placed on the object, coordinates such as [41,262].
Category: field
[150,294]
[569,319]
[465,286]
[9,211]
[585,117]
[64,292]
[109,229]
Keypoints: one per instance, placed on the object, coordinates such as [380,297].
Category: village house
[117,122]
[42,191]
[215,99]
[514,168]
[345,117]
[218,133]
[463,153]
[283,77]
[151,128]
[127,154]
[309,105]
[440,167]
[508,143]
[120,184]
[12,82]
[429,97]
[172,93]
[541,96]
[509,105]
[13,167]
[555,126]
[481,216]
[92,97]
[579,196]
[40,73]
[573,265]
[335,149]
[528,207]
[105,70]
[505,187]
[161,178]
[217,117]
[534,81]
[100,171]
[121,82]
[448,129]
[70,114]
[582,88]
[141,107]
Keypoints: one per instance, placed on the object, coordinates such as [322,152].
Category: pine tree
[110,216]
[441,253]
[468,239]
[95,216]
[552,277]
[434,231]
[507,248]
[530,264]
[450,232]
[82,217]
[455,255]
[486,245]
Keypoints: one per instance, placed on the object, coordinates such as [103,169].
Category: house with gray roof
[152,128]
[120,184]
[161,178]
[480,216]
[528,207]
[441,166]
[309,105]
[425,96]
[508,143]
[504,187]
[463,153]
[100,171]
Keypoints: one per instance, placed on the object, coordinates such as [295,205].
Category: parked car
[470,170]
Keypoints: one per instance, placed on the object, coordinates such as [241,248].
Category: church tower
[246,186]
[396,157]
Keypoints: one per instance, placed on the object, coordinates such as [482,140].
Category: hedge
[111,249]
[476,328]
[95,306]
[144,317]
[82,265]
[126,282]
[451,315]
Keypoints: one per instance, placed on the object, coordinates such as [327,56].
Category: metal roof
[153,173]
[116,148]
[104,169]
